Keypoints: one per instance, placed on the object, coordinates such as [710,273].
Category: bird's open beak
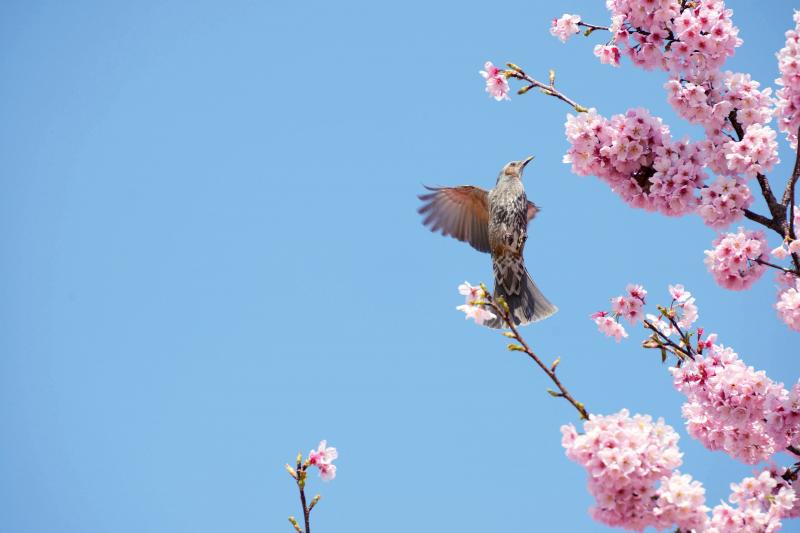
[524,163]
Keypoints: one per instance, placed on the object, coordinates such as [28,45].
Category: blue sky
[213,260]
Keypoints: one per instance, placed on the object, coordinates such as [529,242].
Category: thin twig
[649,325]
[548,89]
[523,346]
[593,27]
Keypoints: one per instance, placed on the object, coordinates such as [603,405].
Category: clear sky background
[212,260]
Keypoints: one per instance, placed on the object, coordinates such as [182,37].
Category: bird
[494,222]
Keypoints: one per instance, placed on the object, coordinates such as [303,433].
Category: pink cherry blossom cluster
[788,304]
[674,36]
[565,27]
[628,306]
[732,262]
[760,502]
[710,97]
[323,458]
[722,203]
[730,406]
[625,456]
[496,82]
[634,154]
[755,154]
[680,501]
[789,94]
[472,295]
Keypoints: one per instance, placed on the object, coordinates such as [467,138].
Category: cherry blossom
[625,456]
[478,312]
[760,502]
[323,458]
[496,83]
[788,304]
[634,154]
[734,408]
[608,54]
[732,261]
[755,154]
[565,27]
[723,202]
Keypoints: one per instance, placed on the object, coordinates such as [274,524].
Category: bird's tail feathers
[526,303]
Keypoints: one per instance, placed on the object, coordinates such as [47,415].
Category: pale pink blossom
[781,252]
[608,54]
[788,304]
[470,292]
[323,458]
[565,27]
[496,83]
[478,313]
[327,471]
[323,454]
[610,327]
[760,503]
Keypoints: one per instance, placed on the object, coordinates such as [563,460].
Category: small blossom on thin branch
[321,458]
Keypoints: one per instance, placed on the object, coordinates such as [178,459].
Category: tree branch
[549,90]
[501,309]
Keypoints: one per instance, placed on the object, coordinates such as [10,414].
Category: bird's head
[514,169]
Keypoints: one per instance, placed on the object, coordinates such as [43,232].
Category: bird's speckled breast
[508,207]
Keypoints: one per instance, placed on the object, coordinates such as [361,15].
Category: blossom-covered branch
[481,306]
[730,407]
[322,458]
[635,154]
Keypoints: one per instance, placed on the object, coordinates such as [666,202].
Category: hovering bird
[496,222]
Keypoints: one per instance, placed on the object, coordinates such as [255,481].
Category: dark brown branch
[782,269]
[764,221]
[502,312]
[306,510]
[593,27]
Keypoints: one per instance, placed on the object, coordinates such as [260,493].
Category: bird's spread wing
[532,210]
[462,212]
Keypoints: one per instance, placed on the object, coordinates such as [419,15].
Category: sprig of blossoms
[322,458]
[628,306]
[473,308]
[760,502]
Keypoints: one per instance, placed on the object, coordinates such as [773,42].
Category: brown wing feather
[532,210]
[461,212]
